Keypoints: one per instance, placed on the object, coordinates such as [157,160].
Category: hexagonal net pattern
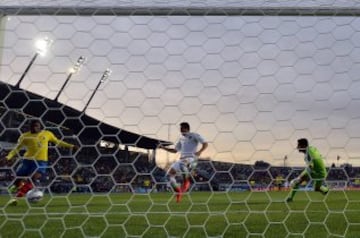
[250,85]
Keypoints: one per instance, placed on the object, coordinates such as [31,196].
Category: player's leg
[184,168]
[187,167]
[37,177]
[40,177]
[21,171]
[319,185]
[27,186]
[32,170]
[295,184]
[25,168]
[172,179]
[30,184]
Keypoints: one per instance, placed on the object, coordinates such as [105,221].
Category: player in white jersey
[187,145]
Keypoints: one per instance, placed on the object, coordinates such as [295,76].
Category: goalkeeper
[315,171]
[35,159]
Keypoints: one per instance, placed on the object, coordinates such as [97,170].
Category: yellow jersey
[37,145]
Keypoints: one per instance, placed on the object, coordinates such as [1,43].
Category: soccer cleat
[289,199]
[186,185]
[12,202]
[12,189]
[179,197]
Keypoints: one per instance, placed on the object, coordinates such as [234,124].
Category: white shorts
[189,162]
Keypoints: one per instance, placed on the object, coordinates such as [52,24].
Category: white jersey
[188,143]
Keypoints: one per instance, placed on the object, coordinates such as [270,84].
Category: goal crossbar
[174,11]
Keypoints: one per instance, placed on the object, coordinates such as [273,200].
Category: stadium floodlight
[41,45]
[76,68]
[104,77]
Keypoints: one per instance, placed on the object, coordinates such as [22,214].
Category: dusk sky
[251,85]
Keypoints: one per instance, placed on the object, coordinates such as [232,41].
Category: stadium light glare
[42,45]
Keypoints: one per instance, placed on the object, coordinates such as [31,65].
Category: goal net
[118,78]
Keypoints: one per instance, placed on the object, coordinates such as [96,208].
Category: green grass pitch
[200,214]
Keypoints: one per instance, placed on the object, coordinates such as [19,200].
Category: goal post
[250,77]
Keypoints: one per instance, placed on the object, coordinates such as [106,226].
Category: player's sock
[293,192]
[186,184]
[24,189]
[179,194]
[186,177]
[176,188]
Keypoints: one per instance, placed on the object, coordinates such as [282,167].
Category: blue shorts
[29,167]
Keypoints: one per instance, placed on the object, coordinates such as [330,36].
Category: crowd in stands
[97,169]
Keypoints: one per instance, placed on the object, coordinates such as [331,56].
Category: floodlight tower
[104,76]
[41,45]
[73,70]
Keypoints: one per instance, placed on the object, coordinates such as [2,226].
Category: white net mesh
[251,85]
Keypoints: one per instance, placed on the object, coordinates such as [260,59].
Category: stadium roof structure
[88,129]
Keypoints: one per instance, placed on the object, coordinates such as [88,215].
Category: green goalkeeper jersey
[315,161]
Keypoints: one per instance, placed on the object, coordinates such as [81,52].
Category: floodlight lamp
[42,45]
[81,60]
[106,75]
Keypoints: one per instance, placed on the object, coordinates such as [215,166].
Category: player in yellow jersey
[35,160]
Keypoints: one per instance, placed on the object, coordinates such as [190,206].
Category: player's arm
[61,143]
[313,154]
[171,150]
[204,145]
[16,150]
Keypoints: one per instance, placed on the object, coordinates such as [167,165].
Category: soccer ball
[34,195]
